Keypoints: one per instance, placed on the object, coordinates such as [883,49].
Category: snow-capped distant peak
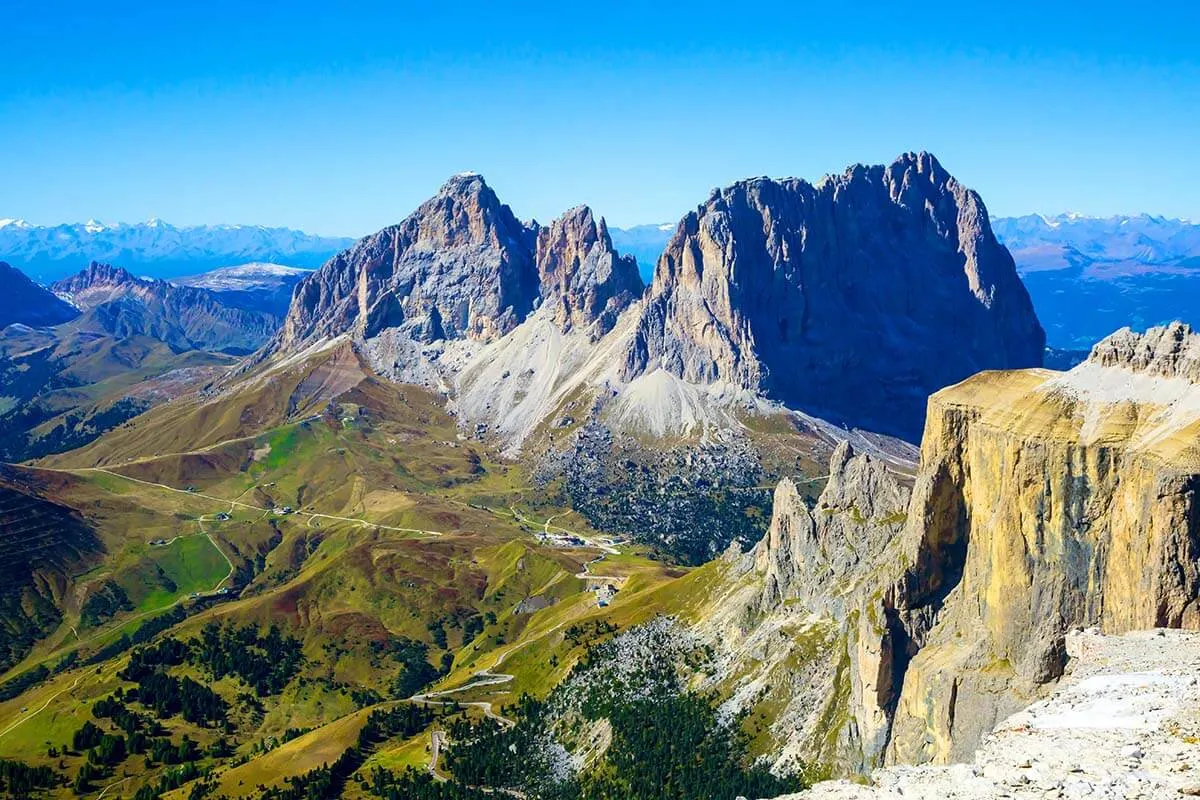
[94,226]
[242,277]
[667,226]
[261,268]
[15,223]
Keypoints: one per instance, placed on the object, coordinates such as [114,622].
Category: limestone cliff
[1046,501]
[853,298]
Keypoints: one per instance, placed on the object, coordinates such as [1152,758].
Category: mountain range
[103,345]
[1087,275]
[754,299]
[48,253]
[476,509]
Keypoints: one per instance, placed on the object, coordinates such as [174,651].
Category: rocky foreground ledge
[1123,723]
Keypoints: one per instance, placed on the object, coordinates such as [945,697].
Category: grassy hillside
[66,386]
[398,565]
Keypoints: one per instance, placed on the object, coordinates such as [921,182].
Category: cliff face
[460,267]
[1044,502]
[116,302]
[1047,501]
[853,298]
[583,279]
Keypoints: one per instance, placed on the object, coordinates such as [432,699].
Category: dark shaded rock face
[583,279]
[461,266]
[116,302]
[854,298]
[23,301]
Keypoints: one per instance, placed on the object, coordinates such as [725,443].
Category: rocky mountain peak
[465,211]
[583,279]
[459,267]
[96,274]
[1169,351]
[820,552]
[100,283]
[853,298]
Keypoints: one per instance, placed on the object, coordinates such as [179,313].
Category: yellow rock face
[1066,500]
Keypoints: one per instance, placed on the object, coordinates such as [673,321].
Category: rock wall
[584,281]
[853,298]
[1039,509]
[1045,502]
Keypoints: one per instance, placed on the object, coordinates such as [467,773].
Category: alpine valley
[474,509]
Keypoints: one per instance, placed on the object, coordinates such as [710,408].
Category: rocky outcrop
[854,298]
[584,281]
[460,267]
[823,568]
[117,303]
[1172,351]
[25,303]
[1120,725]
[1046,501]
[820,554]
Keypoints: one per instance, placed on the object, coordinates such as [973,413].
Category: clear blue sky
[341,117]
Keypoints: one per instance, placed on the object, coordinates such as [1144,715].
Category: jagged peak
[579,223]
[97,273]
[462,198]
[921,162]
[464,183]
[814,552]
[583,278]
[1167,351]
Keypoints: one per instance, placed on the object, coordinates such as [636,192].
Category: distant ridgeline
[156,248]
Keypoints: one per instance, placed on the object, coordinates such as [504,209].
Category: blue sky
[341,117]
